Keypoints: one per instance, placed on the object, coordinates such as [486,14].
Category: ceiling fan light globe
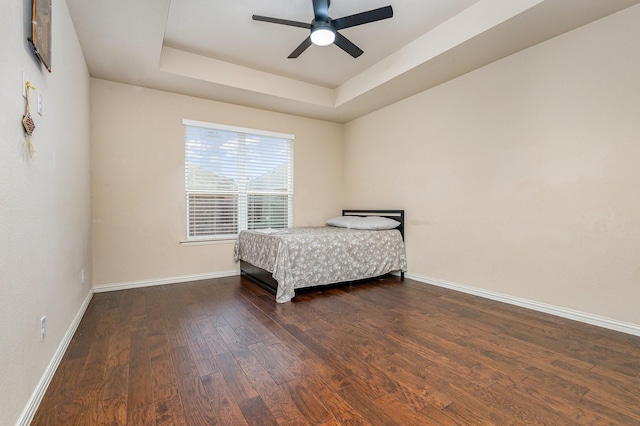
[322,36]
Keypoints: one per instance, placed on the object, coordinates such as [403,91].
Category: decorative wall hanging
[41,31]
[27,122]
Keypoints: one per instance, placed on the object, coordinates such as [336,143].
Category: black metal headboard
[391,214]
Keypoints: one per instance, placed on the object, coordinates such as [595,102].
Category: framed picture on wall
[41,31]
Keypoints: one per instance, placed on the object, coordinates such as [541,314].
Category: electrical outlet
[82,276]
[39,102]
[43,328]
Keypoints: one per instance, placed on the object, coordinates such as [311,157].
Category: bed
[283,260]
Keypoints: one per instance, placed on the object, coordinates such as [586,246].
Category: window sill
[188,243]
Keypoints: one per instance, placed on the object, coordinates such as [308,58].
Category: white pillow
[374,223]
[342,221]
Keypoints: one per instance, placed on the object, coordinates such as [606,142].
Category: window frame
[242,192]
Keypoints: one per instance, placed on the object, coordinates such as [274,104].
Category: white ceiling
[213,49]
[234,37]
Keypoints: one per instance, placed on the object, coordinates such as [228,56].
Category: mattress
[312,256]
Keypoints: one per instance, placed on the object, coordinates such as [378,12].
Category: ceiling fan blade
[321,10]
[363,18]
[345,44]
[303,46]
[281,21]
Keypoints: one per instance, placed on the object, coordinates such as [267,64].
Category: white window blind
[236,179]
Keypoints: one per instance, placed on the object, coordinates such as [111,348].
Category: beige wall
[44,203]
[138,180]
[523,177]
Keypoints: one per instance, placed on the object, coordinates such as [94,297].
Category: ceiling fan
[324,30]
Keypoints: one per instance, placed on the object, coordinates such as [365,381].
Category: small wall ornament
[27,122]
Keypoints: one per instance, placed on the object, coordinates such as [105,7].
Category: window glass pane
[211,214]
[267,211]
[275,179]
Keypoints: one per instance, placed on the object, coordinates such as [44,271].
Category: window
[236,179]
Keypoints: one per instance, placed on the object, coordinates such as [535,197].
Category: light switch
[39,103]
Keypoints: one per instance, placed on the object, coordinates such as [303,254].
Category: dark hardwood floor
[384,352]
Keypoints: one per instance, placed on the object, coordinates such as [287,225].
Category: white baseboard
[571,314]
[162,281]
[36,397]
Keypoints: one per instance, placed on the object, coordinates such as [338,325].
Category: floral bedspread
[305,257]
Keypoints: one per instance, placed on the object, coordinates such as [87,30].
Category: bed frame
[264,279]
